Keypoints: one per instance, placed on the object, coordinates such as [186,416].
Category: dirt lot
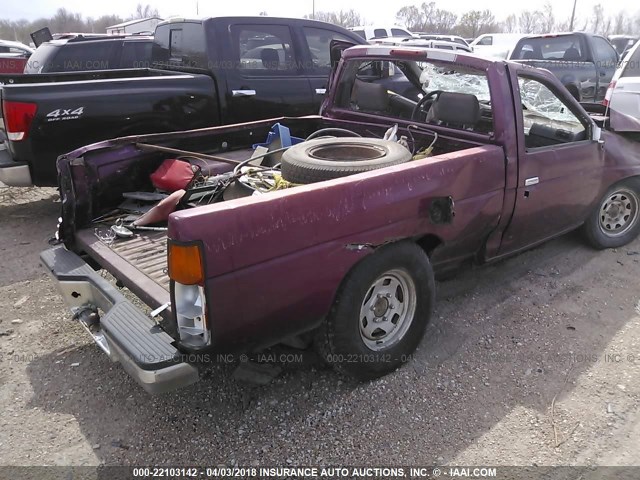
[535,360]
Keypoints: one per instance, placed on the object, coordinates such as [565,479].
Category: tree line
[429,18]
[65,21]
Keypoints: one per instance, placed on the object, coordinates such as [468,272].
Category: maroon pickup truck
[419,161]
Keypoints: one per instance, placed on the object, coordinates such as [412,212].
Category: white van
[498,45]
[369,32]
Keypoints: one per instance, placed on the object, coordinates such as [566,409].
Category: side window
[380,33]
[546,118]
[361,33]
[605,54]
[264,49]
[399,32]
[180,44]
[136,55]
[19,51]
[488,40]
[319,40]
[187,45]
[74,57]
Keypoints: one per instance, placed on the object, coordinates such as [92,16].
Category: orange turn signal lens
[185,264]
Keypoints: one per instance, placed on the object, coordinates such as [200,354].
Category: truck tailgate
[140,263]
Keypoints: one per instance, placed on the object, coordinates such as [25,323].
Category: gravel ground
[534,360]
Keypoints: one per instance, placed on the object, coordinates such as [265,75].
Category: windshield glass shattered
[434,77]
[538,99]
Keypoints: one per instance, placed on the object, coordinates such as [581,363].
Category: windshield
[434,77]
[424,92]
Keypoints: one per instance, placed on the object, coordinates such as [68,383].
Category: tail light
[17,118]
[185,264]
[186,270]
[607,97]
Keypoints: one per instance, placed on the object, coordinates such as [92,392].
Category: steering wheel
[428,97]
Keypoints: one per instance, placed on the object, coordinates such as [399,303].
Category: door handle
[321,91]
[243,93]
[531,181]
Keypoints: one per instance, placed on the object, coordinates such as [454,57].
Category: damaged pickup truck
[334,227]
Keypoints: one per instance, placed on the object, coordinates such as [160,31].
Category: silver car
[623,95]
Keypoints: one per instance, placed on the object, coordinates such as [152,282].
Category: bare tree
[597,19]
[100,24]
[411,17]
[65,21]
[476,22]
[547,19]
[445,21]
[510,24]
[530,21]
[145,11]
[348,18]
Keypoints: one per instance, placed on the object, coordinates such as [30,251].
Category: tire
[616,219]
[328,158]
[354,339]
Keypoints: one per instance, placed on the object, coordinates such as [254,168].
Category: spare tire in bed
[327,158]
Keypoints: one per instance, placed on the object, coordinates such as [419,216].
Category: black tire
[615,221]
[328,158]
[341,341]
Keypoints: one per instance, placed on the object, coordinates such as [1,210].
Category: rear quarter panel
[275,262]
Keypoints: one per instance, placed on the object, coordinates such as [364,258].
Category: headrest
[370,97]
[462,109]
[572,53]
[270,58]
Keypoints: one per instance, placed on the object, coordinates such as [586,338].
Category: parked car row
[209,72]
[224,70]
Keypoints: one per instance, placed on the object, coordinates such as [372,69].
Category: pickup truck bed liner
[139,263]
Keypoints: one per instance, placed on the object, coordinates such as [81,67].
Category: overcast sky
[372,11]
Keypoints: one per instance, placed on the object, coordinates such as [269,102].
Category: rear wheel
[616,219]
[380,313]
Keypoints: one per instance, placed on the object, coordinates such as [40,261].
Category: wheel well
[429,243]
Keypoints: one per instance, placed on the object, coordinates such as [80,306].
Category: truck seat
[455,109]
[572,54]
[370,97]
[270,58]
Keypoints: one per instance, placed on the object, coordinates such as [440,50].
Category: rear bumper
[13,174]
[123,332]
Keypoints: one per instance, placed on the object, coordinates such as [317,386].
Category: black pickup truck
[207,72]
[583,62]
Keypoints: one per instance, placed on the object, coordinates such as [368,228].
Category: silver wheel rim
[618,213]
[387,309]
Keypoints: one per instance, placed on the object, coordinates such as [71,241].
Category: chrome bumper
[123,332]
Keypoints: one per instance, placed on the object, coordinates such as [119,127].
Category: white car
[623,95]
[498,45]
[422,43]
[442,37]
[370,32]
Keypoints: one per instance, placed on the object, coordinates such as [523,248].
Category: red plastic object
[172,175]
